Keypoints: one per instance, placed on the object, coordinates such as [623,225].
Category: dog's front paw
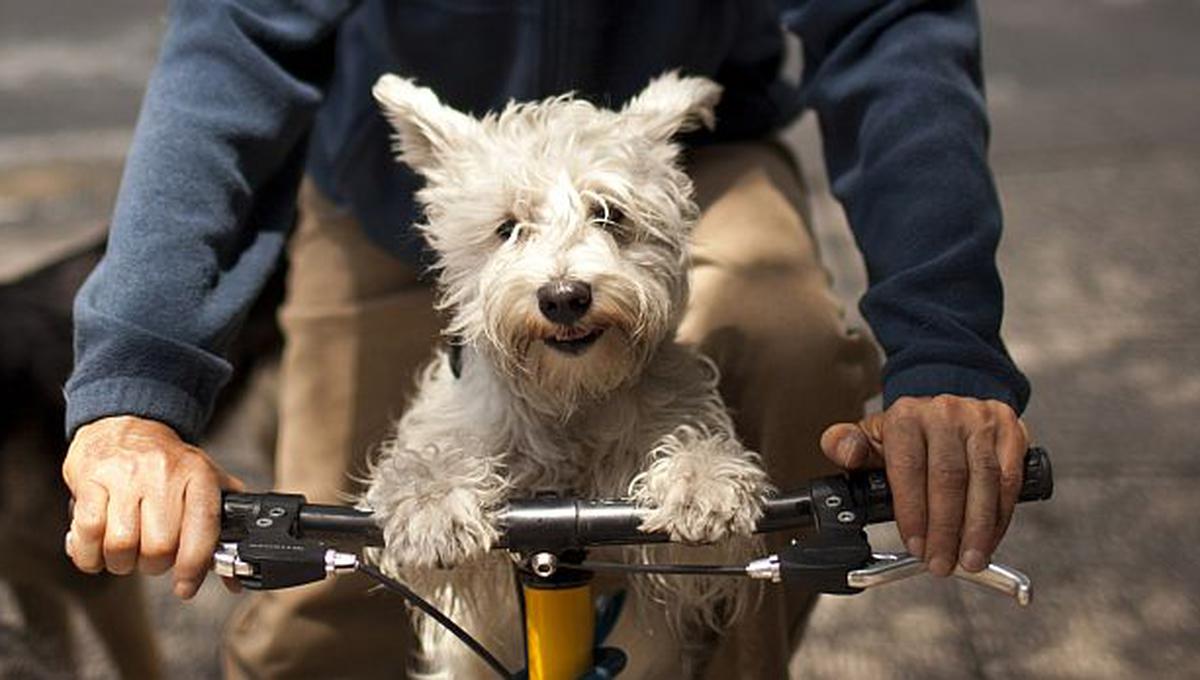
[701,488]
[435,506]
[442,532]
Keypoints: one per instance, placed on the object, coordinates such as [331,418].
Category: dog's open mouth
[574,340]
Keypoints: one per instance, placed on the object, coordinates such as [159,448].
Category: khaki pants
[359,323]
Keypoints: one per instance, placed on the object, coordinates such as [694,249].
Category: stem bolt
[543,564]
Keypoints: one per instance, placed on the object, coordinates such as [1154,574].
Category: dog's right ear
[672,103]
[425,127]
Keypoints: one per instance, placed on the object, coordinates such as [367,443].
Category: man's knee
[334,628]
[778,322]
[789,365]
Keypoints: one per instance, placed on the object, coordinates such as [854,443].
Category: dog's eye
[611,220]
[506,228]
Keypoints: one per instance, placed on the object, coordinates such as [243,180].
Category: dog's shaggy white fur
[601,402]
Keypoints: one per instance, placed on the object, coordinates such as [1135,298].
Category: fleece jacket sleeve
[898,91]
[206,201]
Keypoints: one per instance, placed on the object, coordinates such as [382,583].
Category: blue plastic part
[608,612]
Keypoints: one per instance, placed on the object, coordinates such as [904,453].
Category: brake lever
[227,562]
[889,567]
[261,545]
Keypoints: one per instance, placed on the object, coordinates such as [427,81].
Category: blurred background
[1096,117]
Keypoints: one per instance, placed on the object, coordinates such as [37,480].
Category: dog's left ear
[672,104]
[426,129]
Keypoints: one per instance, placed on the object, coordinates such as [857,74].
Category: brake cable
[587,565]
[682,569]
[437,615]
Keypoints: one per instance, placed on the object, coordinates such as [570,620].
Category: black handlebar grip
[1038,484]
[870,490]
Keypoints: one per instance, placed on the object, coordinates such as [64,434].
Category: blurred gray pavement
[1096,119]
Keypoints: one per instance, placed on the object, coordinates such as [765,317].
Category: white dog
[561,231]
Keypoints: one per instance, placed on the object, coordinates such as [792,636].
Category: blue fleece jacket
[250,94]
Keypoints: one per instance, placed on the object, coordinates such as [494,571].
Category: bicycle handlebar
[264,542]
[855,500]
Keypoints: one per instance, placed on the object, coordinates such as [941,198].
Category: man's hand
[955,466]
[144,500]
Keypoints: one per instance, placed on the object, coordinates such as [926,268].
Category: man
[250,96]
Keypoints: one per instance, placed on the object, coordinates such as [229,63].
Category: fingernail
[184,589]
[940,566]
[67,544]
[848,447]
[916,546]
[973,560]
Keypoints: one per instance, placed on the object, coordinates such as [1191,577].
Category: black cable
[693,569]
[420,603]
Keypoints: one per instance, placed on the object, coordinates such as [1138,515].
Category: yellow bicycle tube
[560,630]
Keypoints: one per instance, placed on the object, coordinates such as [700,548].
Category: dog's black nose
[564,301]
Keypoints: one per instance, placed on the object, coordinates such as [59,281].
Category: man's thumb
[854,445]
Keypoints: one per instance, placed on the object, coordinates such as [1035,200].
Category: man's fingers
[163,505]
[948,474]
[160,532]
[954,465]
[198,533]
[983,500]
[122,533]
[1012,440]
[906,472]
[850,447]
[87,527]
